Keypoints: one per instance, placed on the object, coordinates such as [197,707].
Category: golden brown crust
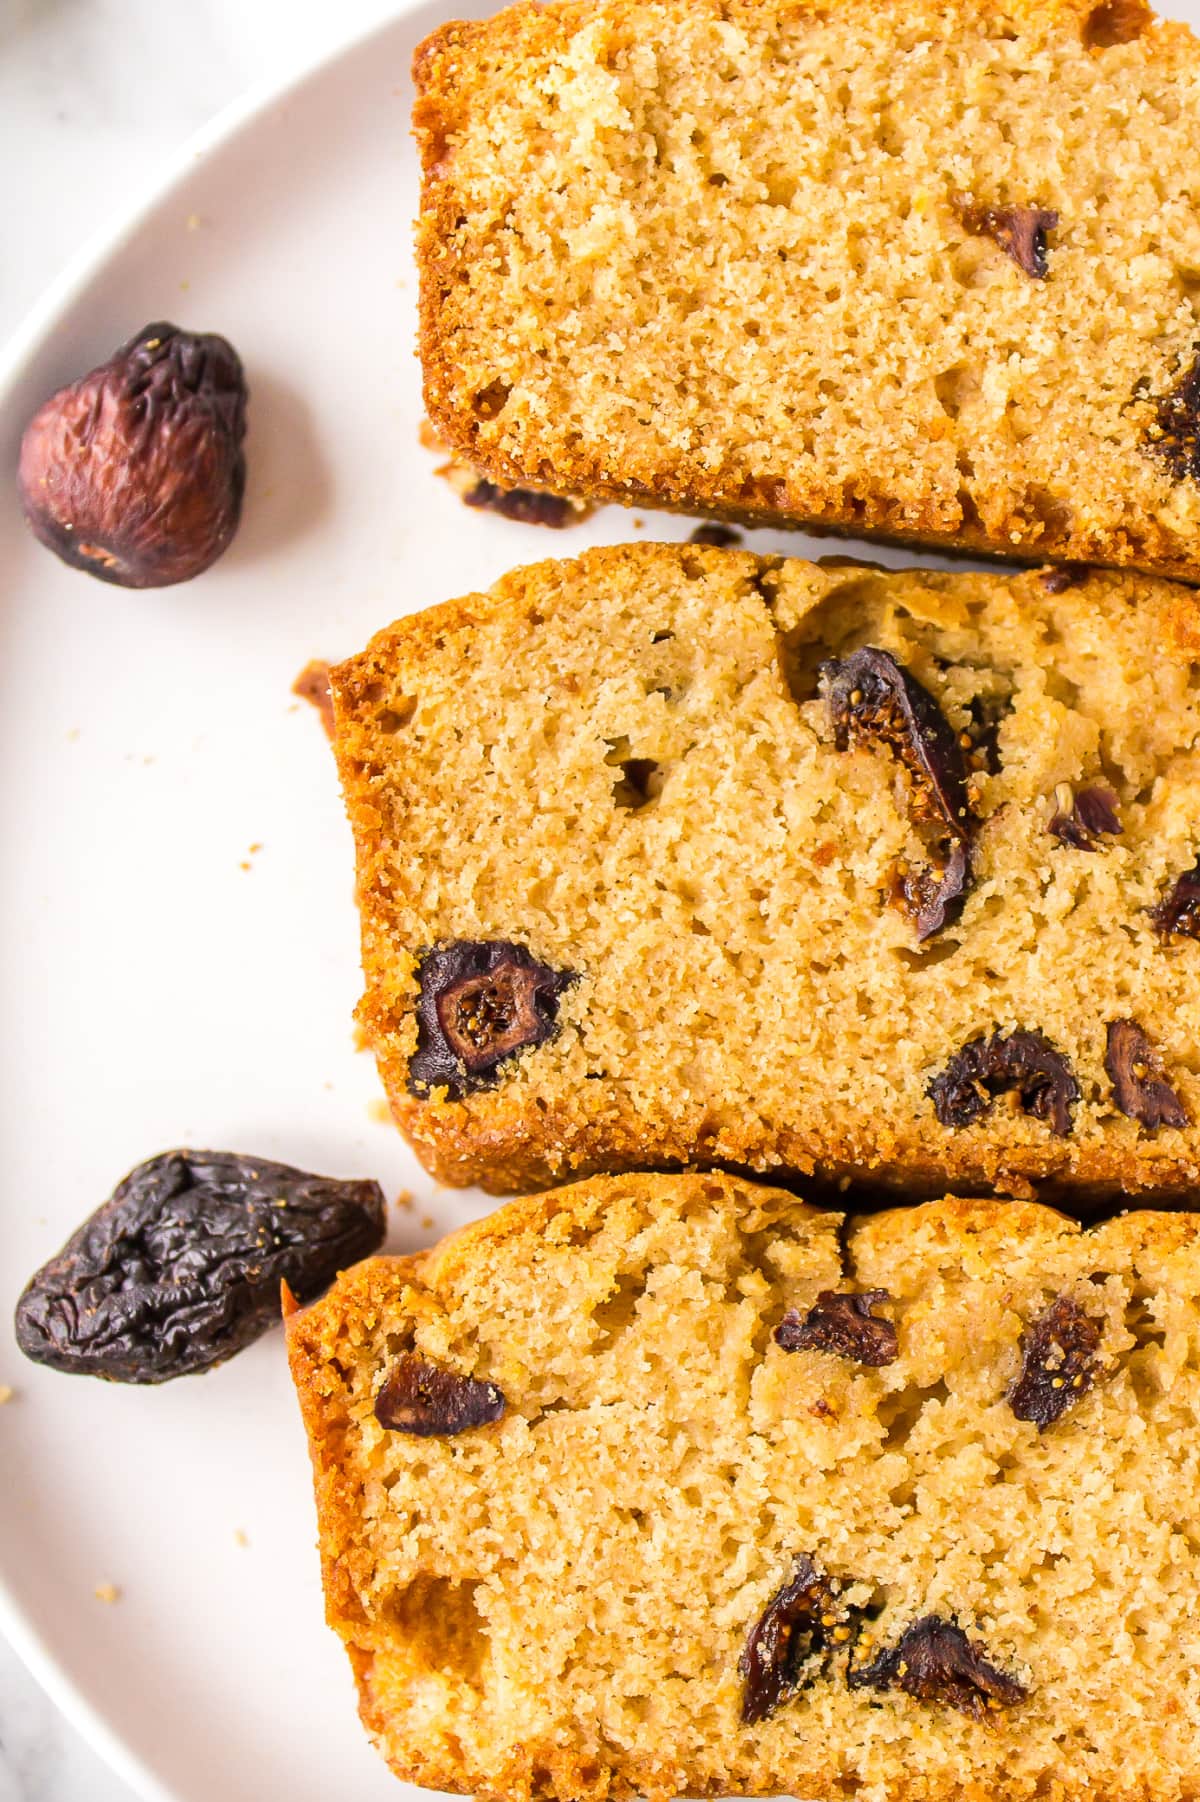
[510,1154]
[459,67]
[524,1133]
[962,1273]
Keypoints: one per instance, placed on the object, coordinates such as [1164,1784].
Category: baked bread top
[928,271]
[561,1599]
[609,797]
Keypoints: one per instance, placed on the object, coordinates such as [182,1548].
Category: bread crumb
[526,505]
[404,1200]
[427,1222]
[6,1393]
[379,1111]
[714,533]
[312,685]
[240,1537]
[107,1592]
[193,222]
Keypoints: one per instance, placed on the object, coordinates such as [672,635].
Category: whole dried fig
[181,1267]
[135,472]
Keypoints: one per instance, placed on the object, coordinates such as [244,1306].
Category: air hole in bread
[955,387]
[970,512]
[439,1621]
[1142,1323]
[392,719]
[491,400]
[639,785]
[928,956]
[900,1412]
[614,1316]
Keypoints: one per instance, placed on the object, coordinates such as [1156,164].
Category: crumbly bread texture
[759,258]
[626,767]
[557,1603]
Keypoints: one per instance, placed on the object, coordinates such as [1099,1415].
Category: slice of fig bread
[675,1484]
[672,854]
[926,271]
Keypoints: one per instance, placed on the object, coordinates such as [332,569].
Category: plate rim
[16,356]
[111,237]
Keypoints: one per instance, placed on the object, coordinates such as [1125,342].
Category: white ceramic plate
[164,982]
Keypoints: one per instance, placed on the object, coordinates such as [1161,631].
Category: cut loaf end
[923,272]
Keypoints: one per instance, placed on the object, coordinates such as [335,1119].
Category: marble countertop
[94,95]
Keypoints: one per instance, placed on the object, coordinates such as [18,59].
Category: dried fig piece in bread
[1023,1063]
[481,1002]
[1139,1088]
[788,1642]
[844,1324]
[1058,1363]
[433,1402]
[873,699]
[935,1661]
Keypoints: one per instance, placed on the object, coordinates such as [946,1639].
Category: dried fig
[481,1001]
[135,473]
[1064,576]
[934,1661]
[800,1624]
[433,1402]
[528,506]
[1022,1063]
[845,1324]
[1020,231]
[1139,1087]
[1082,817]
[1178,913]
[182,1266]
[874,699]
[1174,432]
[1058,1363]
